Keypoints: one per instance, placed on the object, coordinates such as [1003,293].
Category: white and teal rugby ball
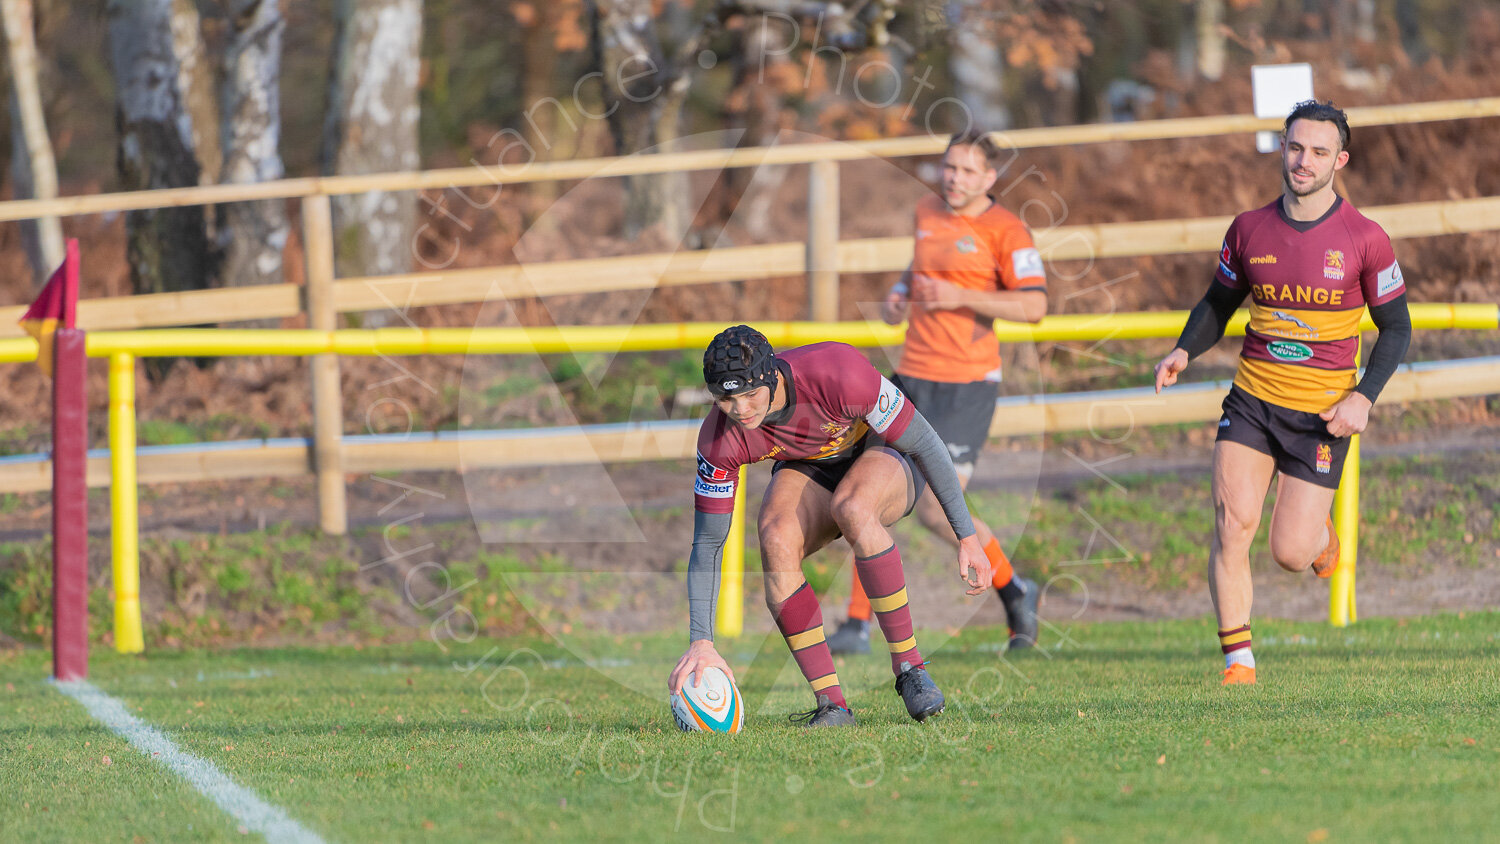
[714,707]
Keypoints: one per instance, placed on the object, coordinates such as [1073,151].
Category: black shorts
[1298,440]
[960,414]
[828,474]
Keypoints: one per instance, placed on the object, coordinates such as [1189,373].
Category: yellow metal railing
[177,342]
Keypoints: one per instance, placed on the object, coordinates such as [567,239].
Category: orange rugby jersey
[992,251]
[1309,283]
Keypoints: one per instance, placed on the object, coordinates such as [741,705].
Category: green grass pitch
[1386,730]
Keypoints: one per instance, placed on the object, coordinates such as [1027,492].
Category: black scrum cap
[737,361]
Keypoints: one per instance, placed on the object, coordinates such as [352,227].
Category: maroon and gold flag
[55,308]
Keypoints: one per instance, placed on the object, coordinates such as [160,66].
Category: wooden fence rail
[807,153]
[637,272]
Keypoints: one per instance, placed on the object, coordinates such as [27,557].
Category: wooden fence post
[823,241]
[328,402]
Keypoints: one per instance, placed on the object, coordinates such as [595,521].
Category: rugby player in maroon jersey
[1310,264]
[851,457]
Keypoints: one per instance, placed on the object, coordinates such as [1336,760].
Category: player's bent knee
[781,543]
[1292,555]
[1235,530]
[849,512]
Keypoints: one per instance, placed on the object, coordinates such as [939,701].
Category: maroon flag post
[51,319]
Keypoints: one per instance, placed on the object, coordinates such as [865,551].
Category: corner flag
[56,307]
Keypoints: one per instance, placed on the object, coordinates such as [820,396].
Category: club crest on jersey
[966,245]
[1333,265]
[1325,458]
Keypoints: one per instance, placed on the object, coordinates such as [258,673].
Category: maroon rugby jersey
[1309,283]
[838,398]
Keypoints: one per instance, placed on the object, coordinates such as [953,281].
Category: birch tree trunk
[643,96]
[33,167]
[372,128]
[761,52]
[251,235]
[1211,54]
[977,66]
[168,248]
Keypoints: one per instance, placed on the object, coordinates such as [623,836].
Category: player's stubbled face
[967,176]
[1310,154]
[748,409]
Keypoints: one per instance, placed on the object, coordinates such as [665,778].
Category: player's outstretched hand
[1349,416]
[1169,367]
[973,566]
[699,655]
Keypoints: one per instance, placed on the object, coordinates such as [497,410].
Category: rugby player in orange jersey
[851,454]
[974,262]
[1310,264]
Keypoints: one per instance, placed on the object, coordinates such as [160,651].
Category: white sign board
[1276,88]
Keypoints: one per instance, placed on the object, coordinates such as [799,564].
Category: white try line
[244,805]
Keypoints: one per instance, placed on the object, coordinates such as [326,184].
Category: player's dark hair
[738,360]
[1323,110]
[972,137]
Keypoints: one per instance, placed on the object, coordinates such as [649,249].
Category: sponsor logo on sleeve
[710,472]
[1389,280]
[1224,259]
[887,405]
[1027,263]
[711,490]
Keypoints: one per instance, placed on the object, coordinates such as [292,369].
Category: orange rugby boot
[1328,561]
[1239,674]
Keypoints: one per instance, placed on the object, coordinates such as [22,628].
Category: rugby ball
[714,707]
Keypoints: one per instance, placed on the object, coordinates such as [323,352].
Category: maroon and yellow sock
[1236,646]
[859,602]
[886,583]
[801,623]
